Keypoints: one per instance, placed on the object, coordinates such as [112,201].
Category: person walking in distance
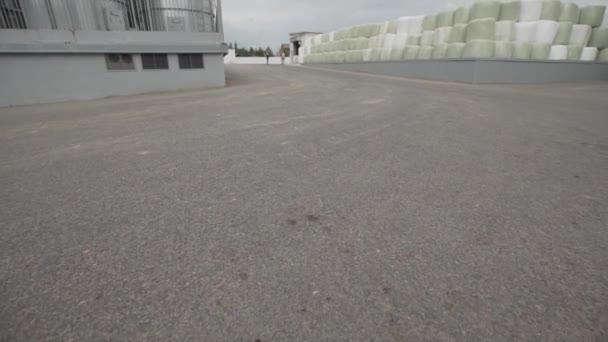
[282,57]
[267,57]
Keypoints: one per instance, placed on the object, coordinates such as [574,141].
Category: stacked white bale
[455,50]
[563,33]
[376,55]
[439,51]
[503,50]
[574,52]
[592,15]
[602,56]
[551,10]
[400,41]
[505,31]
[589,54]
[367,55]
[530,10]
[441,35]
[427,38]
[445,19]
[461,15]
[541,51]
[525,32]
[558,53]
[383,27]
[481,29]
[546,31]
[429,22]
[392,27]
[580,35]
[522,50]
[403,25]
[415,24]
[411,52]
[509,11]
[570,12]
[388,40]
[458,34]
[425,52]
[396,54]
[479,49]
[413,39]
[385,55]
[485,9]
[599,38]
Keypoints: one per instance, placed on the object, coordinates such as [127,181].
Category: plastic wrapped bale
[530,10]
[599,38]
[376,55]
[558,53]
[441,35]
[427,38]
[455,50]
[458,34]
[479,49]
[325,38]
[385,55]
[580,35]
[602,56]
[375,29]
[481,29]
[356,56]
[413,39]
[429,22]
[403,25]
[540,51]
[400,41]
[589,54]
[551,10]
[563,34]
[525,32]
[439,51]
[509,11]
[505,31]
[415,24]
[388,40]
[425,52]
[445,19]
[392,26]
[411,52]
[397,54]
[503,50]
[522,50]
[363,43]
[546,31]
[375,41]
[383,28]
[485,9]
[570,13]
[367,55]
[605,22]
[574,52]
[461,15]
[592,15]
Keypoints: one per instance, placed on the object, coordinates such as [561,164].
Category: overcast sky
[268,22]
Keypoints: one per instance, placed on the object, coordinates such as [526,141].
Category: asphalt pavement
[299,204]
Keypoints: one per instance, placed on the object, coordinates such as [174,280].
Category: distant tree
[269,51]
[236,46]
[230,46]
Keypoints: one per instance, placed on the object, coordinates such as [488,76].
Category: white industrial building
[60,50]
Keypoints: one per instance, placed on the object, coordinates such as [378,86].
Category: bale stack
[498,29]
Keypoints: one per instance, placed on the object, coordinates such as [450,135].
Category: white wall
[44,78]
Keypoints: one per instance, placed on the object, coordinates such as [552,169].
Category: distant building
[58,50]
[296,41]
[285,48]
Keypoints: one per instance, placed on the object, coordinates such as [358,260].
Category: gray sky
[268,22]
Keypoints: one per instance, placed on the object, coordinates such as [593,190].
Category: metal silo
[183,15]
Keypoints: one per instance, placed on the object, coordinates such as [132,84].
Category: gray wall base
[44,78]
[479,71]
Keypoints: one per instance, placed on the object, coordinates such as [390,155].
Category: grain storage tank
[183,15]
